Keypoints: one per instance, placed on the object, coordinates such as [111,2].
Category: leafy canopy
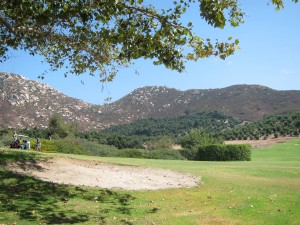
[101,36]
[59,128]
[197,137]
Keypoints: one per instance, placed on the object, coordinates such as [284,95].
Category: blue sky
[269,56]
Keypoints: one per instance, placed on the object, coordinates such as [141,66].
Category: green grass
[265,190]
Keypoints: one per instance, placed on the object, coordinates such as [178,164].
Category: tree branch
[7,25]
[153,15]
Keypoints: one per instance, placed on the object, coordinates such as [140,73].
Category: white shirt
[28,145]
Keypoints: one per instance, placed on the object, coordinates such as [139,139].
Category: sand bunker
[104,175]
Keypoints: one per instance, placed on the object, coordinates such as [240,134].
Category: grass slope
[262,191]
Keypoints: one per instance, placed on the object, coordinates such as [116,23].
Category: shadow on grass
[37,201]
[34,200]
[120,202]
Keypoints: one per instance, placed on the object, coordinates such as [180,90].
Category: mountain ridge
[26,103]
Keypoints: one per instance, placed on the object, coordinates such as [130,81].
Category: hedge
[222,152]
[68,146]
[83,147]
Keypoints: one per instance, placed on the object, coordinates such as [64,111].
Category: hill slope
[246,102]
[26,103]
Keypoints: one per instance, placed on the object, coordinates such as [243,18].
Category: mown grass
[265,190]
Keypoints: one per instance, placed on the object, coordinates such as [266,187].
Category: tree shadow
[37,201]
[34,200]
[115,202]
[17,156]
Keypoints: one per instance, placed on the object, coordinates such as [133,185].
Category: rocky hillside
[27,103]
[246,102]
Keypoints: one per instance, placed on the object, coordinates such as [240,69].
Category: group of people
[26,143]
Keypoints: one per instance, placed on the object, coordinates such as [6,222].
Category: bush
[164,154]
[99,149]
[189,154]
[69,146]
[122,142]
[197,137]
[47,145]
[131,153]
[6,140]
[224,153]
[159,143]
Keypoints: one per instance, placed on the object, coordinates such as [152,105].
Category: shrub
[47,145]
[131,153]
[122,142]
[99,149]
[154,154]
[197,137]
[189,154]
[224,153]
[164,154]
[69,146]
[160,143]
[6,140]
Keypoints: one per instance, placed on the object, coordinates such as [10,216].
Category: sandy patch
[261,143]
[104,175]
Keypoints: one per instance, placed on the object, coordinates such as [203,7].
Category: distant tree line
[277,125]
[153,133]
[174,126]
[57,128]
[161,133]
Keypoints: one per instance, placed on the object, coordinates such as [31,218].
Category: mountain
[246,102]
[27,103]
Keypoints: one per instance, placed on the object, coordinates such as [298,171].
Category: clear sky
[269,56]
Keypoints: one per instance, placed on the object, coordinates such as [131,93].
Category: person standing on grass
[27,145]
[38,144]
[49,136]
[15,136]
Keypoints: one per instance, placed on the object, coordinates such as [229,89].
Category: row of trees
[57,128]
[277,125]
[211,128]
[173,126]
[155,133]
[188,131]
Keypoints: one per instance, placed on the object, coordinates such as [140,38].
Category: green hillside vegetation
[284,125]
[89,148]
[153,138]
[263,191]
[175,125]
[164,129]
[213,124]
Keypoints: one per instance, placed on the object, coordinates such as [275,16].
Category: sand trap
[104,175]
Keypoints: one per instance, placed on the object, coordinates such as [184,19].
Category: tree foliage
[59,128]
[160,133]
[287,124]
[174,126]
[224,153]
[99,37]
[197,137]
